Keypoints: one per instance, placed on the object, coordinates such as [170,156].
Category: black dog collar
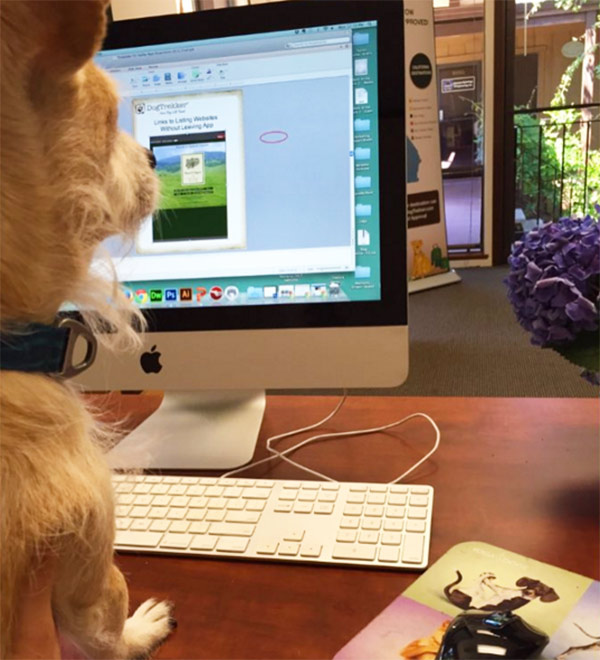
[49,349]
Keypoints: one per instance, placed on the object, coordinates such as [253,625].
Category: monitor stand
[195,431]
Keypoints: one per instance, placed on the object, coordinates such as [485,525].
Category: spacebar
[138,539]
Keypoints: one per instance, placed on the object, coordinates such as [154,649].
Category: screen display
[267,152]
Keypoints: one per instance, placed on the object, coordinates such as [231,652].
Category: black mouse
[478,635]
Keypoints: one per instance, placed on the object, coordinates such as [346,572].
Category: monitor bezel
[391,309]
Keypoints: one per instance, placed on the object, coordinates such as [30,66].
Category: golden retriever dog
[69,180]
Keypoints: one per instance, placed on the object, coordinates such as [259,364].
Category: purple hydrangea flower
[554,280]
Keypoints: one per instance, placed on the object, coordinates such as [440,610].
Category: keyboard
[346,523]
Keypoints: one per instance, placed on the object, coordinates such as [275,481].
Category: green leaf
[584,351]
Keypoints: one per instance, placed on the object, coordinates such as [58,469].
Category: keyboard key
[159,525]
[346,536]
[178,541]
[323,508]
[310,550]
[204,542]
[374,510]
[389,554]
[176,513]
[368,537]
[360,552]
[251,517]
[255,505]
[231,529]
[195,514]
[215,516]
[289,549]
[139,511]
[395,512]
[199,528]
[348,522]
[138,539]
[268,548]
[397,500]
[353,510]
[412,548]
[294,535]
[393,525]
[158,512]
[232,544]
[179,526]
[284,507]
[123,523]
[417,513]
[418,500]
[415,525]
[376,498]
[143,500]
[256,493]
[356,498]
[371,523]
[391,538]
[303,507]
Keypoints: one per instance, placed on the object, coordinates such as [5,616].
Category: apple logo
[150,361]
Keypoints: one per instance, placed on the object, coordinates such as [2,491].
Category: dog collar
[49,349]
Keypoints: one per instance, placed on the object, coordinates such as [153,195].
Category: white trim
[488,139]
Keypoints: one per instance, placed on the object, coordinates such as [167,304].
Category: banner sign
[427,248]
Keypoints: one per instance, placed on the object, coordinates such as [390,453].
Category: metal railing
[557,161]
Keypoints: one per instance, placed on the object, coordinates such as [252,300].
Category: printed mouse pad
[476,575]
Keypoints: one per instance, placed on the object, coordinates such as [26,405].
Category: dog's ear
[73,33]
[56,37]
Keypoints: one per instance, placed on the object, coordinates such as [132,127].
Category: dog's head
[70,178]
[535,589]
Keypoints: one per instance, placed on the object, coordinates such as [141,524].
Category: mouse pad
[471,575]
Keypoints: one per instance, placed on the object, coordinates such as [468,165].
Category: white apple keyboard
[325,522]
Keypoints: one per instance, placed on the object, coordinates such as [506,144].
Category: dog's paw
[148,628]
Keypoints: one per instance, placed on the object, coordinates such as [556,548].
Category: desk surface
[521,474]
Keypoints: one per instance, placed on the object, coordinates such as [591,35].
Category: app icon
[156,78]
[185,294]
[128,293]
[362,272]
[181,75]
[362,182]
[216,293]
[200,293]
[167,77]
[363,210]
[361,96]
[141,296]
[270,292]
[195,73]
[361,67]
[232,292]
[360,38]
[145,79]
[334,288]
[254,292]
[286,291]
[364,238]
[362,153]
[170,295]
[156,295]
[362,125]
[318,290]
[302,290]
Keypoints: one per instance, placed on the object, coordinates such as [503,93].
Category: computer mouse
[479,635]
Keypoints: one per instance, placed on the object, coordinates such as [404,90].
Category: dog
[421,266]
[70,179]
[485,594]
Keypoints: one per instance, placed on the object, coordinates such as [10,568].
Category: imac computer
[277,256]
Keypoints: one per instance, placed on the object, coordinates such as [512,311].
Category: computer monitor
[277,257]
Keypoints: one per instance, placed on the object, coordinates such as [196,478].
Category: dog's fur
[486,594]
[69,180]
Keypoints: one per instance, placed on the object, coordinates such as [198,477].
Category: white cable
[281,436]
[327,436]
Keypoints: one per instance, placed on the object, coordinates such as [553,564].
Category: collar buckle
[76,330]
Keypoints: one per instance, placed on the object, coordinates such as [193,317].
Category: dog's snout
[151,158]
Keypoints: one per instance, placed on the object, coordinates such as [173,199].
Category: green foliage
[550,165]
[583,352]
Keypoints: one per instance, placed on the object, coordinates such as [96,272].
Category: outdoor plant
[554,288]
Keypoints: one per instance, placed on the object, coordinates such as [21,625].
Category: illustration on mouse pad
[561,604]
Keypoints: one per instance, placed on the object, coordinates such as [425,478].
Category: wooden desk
[518,473]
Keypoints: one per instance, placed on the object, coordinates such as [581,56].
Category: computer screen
[277,255]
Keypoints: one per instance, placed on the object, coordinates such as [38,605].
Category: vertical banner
[428,264]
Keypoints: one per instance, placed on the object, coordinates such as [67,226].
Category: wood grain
[521,474]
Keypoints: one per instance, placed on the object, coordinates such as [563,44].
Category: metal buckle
[76,330]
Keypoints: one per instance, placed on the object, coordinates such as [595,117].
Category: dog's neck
[47,349]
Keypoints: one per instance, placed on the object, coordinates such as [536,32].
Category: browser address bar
[317,42]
